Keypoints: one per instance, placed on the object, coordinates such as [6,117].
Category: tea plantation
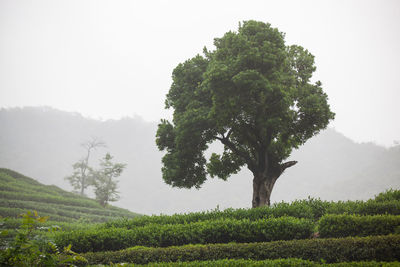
[307,232]
[19,194]
[302,233]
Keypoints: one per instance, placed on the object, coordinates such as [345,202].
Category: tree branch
[288,164]
[235,150]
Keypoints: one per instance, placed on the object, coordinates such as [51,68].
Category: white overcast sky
[110,59]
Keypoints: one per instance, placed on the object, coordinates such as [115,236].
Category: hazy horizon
[44,143]
[111,59]
[139,117]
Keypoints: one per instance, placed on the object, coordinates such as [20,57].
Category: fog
[103,68]
[43,143]
[111,59]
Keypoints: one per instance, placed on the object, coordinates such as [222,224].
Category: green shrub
[388,195]
[375,248]
[297,209]
[370,207]
[27,248]
[268,263]
[355,225]
[310,209]
[213,231]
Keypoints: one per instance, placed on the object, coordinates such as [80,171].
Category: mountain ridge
[45,142]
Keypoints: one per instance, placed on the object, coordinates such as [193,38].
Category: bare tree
[80,176]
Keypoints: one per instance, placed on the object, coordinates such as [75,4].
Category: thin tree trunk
[262,189]
[83,187]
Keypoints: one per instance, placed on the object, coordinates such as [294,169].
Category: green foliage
[50,198]
[26,249]
[388,195]
[13,223]
[65,210]
[354,225]
[103,180]
[80,178]
[376,248]
[310,209]
[266,263]
[370,207]
[253,94]
[277,210]
[213,231]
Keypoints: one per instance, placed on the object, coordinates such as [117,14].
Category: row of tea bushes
[16,212]
[228,230]
[19,194]
[213,231]
[293,262]
[331,250]
[388,195]
[354,225]
[58,209]
[309,209]
[48,198]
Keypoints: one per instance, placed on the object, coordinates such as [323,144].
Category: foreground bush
[376,248]
[354,225]
[214,231]
[28,250]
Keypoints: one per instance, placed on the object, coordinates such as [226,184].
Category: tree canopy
[104,180]
[80,176]
[254,95]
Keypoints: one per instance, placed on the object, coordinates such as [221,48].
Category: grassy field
[307,232]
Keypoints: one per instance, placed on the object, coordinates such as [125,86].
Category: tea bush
[212,231]
[355,225]
[374,248]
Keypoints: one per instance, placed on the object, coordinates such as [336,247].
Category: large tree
[254,95]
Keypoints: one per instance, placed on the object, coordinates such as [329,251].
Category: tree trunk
[262,189]
[264,182]
[83,186]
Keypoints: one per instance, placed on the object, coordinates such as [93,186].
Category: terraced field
[307,232]
[303,233]
[19,194]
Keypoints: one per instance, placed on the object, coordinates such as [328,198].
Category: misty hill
[19,194]
[44,143]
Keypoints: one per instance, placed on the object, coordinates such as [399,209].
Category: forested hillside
[44,143]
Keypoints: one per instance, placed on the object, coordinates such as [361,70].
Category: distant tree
[253,94]
[103,180]
[81,169]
